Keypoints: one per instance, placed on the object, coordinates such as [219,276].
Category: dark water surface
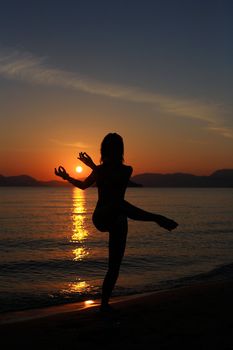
[51,253]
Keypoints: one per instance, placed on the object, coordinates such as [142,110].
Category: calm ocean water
[51,253]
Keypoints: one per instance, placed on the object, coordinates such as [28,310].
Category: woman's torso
[112,181]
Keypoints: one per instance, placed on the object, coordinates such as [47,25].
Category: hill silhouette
[220,178]
[28,181]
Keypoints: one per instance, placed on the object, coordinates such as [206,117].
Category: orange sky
[52,128]
[45,129]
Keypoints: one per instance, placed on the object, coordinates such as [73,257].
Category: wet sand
[195,317]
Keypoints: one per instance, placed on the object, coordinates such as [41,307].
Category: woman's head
[112,149]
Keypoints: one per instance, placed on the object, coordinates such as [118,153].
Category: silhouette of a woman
[112,210]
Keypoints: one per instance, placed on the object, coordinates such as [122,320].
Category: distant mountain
[133,184]
[25,180]
[220,178]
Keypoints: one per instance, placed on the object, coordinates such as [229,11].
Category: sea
[50,252]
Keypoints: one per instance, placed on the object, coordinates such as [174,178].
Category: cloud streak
[29,68]
[80,145]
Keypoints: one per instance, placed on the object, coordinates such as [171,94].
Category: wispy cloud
[80,145]
[29,68]
[222,130]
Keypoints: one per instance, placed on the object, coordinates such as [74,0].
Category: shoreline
[17,316]
[193,317]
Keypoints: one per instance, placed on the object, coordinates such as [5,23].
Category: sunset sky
[159,73]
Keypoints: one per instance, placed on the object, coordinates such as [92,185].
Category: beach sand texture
[194,317]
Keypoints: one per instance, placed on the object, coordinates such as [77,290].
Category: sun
[78,169]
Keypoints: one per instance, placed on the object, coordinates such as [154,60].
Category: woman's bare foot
[106,308]
[166,223]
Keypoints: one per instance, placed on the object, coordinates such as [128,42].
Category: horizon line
[144,173]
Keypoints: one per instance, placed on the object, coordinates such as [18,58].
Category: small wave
[30,243]
[53,264]
[221,273]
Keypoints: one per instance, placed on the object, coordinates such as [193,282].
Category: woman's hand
[86,159]
[62,173]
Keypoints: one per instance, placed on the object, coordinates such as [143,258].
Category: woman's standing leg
[117,243]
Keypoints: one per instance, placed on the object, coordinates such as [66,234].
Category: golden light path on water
[78,237]
[79,233]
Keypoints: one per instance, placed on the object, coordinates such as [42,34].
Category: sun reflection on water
[78,216]
[79,287]
[78,238]
[79,253]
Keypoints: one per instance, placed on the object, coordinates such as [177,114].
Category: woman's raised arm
[90,180]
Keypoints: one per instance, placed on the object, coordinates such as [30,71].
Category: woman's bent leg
[136,213]
[117,242]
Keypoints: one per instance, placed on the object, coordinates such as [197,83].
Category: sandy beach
[195,317]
